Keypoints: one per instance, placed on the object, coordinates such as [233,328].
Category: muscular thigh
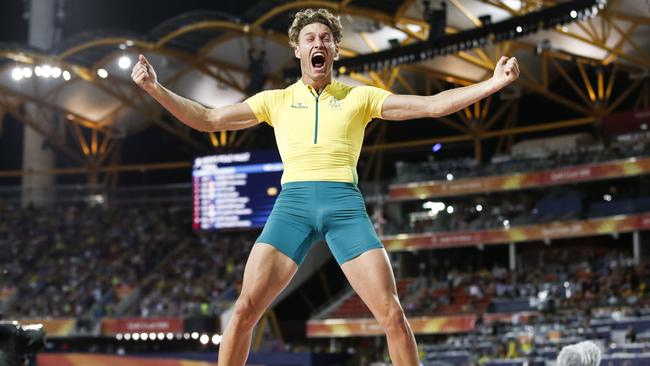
[371,276]
[267,273]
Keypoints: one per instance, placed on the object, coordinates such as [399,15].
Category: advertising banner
[566,175]
[142,325]
[554,230]
[53,327]
[369,327]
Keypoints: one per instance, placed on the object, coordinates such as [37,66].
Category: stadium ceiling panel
[204,55]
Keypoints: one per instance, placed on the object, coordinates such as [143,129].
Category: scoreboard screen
[235,190]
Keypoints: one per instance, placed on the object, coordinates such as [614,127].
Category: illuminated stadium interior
[514,227]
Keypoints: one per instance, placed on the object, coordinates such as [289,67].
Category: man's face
[316,50]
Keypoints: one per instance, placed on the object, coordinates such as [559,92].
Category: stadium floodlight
[17,74]
[124,62]
[205,339]
[216,339]
[46,71]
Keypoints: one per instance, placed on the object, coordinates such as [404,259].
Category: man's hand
[506,71]
[144,75]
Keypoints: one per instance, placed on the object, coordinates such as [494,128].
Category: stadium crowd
[82,260]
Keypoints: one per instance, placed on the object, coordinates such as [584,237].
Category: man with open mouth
[319,126]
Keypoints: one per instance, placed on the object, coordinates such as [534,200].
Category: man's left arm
[404,107]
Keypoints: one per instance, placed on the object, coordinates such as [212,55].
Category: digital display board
[235,190]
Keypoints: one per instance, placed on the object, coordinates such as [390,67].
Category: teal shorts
[306,212]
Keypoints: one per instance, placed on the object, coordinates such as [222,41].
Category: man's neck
[317,85]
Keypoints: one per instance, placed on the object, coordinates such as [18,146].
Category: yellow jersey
[319,136]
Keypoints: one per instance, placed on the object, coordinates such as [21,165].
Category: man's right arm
[232,117]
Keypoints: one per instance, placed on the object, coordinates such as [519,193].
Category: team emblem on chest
[335,104]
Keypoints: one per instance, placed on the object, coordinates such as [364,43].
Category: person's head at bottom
[580,354]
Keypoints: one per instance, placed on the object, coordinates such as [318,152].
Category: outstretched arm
[403,107]
[232,117]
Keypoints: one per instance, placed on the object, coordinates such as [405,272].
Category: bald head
[580,354]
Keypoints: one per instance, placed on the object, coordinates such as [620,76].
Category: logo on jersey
[299,105]
[335,103]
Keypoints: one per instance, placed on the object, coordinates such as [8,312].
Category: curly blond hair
[309,16]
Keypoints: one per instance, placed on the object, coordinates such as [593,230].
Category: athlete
[319,125]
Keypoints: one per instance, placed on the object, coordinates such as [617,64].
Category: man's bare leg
[371,276]
[267,273]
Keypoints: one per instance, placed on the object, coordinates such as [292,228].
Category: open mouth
[318,61]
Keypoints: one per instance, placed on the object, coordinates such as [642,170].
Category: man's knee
[245,314]
[393,319]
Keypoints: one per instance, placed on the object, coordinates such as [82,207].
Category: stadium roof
[202,54]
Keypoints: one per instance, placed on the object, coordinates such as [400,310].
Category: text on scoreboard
[235,190]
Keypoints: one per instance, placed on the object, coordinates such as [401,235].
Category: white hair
[581,354]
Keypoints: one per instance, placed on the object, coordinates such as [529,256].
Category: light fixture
[66,75]
[56,72]
[46,71]
[102,73]
[27,72]
[450,177]
[450,209]
[124,62]
[17,73]
[216,339]
[479,207]
[204,339]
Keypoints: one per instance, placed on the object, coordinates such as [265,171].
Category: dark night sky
[136,16]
